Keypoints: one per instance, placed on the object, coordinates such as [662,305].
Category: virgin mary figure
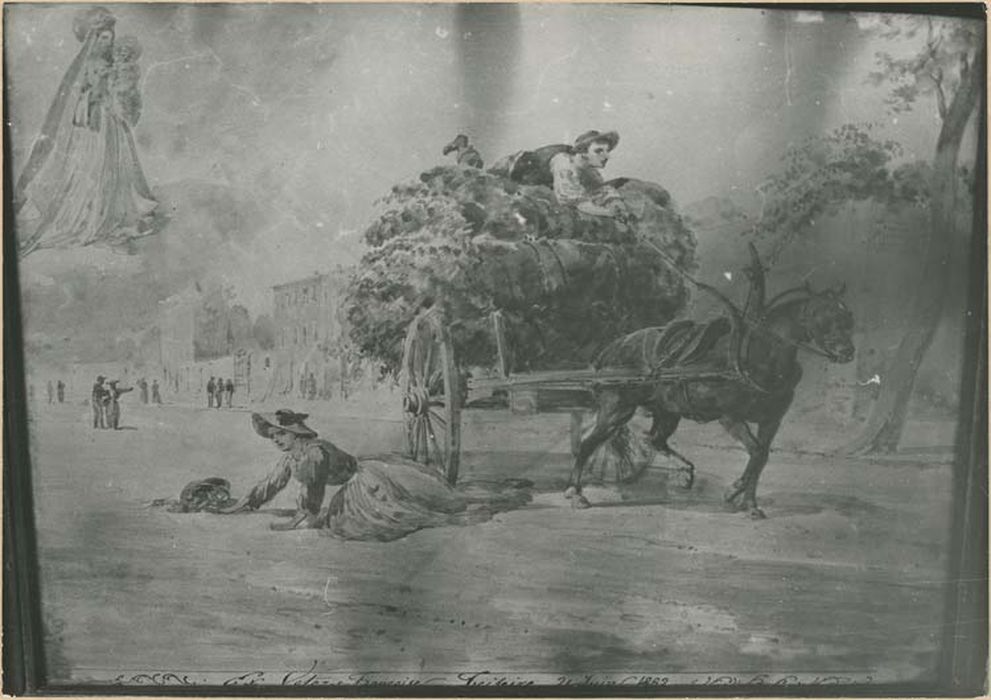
[83,183]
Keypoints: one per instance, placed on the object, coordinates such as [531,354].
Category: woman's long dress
[379,499]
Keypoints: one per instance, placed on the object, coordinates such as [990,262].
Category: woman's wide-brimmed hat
[283,419]
[589,137]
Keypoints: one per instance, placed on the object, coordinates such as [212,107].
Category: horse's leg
[742,433]
[663,428]
[611,413]
[759,448]
[766,430]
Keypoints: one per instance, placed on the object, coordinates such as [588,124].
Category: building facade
[306,311]
[308,336]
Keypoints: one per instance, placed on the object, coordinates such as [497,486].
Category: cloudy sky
[272,129]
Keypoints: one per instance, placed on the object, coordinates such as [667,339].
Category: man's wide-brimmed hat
[283,419]
[589,137]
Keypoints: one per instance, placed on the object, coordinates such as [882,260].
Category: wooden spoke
[431,399]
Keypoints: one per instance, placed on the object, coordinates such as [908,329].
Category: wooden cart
[435,393]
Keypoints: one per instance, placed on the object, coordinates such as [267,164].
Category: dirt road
[845,577]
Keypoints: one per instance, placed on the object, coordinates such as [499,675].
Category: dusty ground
[844,578]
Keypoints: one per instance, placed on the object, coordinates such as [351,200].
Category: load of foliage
[474,242]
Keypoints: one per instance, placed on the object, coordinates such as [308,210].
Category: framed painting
[474,349]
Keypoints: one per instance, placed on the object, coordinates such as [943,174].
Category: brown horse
[737,374]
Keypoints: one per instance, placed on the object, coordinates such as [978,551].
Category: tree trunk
[883,430]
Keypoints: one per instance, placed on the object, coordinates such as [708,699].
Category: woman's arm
[265,490]
[313,473]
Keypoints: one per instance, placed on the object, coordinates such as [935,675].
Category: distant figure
[211,388]
[578,179]
[60,389]
[311,387]
[97,398]
[464,152]
[229,388]
[113,403]
[143,386]
[219,393]
[51,392]
[156,396]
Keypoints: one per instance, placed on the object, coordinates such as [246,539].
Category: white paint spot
[606,105]
[876,379]
[728,275]
[669,92]
[442,33]
[807,17]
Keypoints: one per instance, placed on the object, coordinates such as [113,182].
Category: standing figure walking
[229,388]
[97,398]
[156,396]
[211,388]
[113,403]
[60,390]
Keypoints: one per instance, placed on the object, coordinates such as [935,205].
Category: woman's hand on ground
[236,507]
[284,525]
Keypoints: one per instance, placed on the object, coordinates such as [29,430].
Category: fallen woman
[378,499]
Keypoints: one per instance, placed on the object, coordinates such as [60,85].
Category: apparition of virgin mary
[83,182]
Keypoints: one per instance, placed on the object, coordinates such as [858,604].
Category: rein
[738,318]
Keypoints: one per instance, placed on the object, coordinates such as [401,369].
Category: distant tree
[221,326]
[240,329]
[820,175]
[263,332]
[949,69]
[823,173]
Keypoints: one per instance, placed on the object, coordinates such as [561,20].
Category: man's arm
[568,188]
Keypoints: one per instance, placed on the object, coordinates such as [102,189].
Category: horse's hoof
[580,502]
[757,514]
[570,492]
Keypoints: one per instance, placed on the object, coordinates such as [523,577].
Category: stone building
[308,336]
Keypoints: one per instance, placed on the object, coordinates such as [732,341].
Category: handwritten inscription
[313,678]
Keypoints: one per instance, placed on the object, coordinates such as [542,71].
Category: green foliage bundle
[473,242]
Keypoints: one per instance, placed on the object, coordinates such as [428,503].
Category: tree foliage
[822,173]
[474,242]
[936,69]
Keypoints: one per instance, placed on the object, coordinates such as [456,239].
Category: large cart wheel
[431,395]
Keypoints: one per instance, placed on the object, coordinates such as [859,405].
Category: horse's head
[829,323]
